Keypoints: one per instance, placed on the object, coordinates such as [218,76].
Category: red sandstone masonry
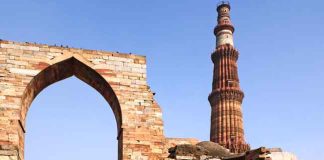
[226,97]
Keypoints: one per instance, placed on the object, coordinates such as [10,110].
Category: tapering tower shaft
[226,97]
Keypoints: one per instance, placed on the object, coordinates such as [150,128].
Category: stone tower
[226,96]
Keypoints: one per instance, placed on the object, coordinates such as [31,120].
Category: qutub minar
[27,68]
[226,96]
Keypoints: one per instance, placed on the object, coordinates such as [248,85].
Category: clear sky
[281,63]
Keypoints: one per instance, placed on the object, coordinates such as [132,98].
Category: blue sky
[280,67]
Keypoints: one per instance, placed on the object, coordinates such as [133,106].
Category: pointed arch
[120,78]
[64,67]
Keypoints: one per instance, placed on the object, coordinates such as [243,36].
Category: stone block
[27,72]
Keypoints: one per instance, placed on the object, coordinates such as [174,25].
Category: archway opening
[70,120]
[62,70]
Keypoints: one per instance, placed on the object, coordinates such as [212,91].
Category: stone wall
[26,69]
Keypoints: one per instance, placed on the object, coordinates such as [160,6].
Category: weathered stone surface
[187,150]
[214,149]
[201,151]
[210,150]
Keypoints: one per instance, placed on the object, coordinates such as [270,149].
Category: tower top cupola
[223,4]
[224,29]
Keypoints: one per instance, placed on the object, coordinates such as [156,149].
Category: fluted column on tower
[226,96]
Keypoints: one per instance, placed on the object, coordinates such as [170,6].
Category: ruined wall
[25,69]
